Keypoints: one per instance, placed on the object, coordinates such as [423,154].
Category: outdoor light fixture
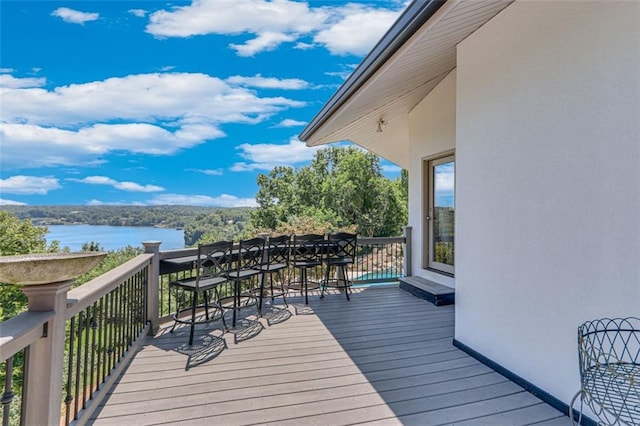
[381,124]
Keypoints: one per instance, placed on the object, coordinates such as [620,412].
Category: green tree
[343,187]
[276,198]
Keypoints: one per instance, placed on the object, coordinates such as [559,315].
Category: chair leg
[345,280]
[306,289]
[193,317]
[236,302]
[175,322]
[326,281]
[261,296]
[206,304]
[224,323]
[284,295]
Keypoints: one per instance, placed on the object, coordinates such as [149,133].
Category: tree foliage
[161,216]
[342,187]
[220,224]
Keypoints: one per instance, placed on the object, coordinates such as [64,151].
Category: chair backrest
[307,247]
[214,259]
[250,253]
[278,249]
[343,245]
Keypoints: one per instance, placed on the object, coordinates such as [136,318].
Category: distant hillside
[160,216]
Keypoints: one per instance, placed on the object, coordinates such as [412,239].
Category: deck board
[385,357]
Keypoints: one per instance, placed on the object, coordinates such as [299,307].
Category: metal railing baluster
[69,397]
[7,395]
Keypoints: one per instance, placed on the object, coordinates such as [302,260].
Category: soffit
[403,81]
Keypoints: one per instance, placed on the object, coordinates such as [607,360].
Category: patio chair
[609,355]
[244,274]
[212,266]
[306,254]
[276,262]
[341,253]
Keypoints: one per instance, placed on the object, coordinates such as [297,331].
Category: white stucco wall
[432,131]
[548,183]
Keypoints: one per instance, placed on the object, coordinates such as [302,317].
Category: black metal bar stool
[306,254]
[276,262]
[341,252]
[212,269]
[244,274]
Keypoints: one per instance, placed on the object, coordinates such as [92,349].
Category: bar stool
[246,268]
[306,254]
[341,252]
[276,262]
[212,270]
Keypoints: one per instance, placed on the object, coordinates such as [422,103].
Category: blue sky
[146,102]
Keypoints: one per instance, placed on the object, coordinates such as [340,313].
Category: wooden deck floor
[385,357]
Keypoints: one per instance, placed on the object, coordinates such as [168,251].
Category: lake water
[114,237]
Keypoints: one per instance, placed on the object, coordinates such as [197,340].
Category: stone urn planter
[46,268]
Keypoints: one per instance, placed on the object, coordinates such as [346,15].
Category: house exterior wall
[548,183]
[432,131]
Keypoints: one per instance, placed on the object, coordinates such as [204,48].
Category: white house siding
[548,182]
[432,131]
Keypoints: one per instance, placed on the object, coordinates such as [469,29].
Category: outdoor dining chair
[275,262]
[212,270]
[306,255]
[245,273]
[341,252]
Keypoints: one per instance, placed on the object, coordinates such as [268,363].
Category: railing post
[42,398]
[406,264]
[153,285]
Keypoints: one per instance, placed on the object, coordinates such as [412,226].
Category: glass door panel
[441,214]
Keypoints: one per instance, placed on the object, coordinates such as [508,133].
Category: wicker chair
[609,355]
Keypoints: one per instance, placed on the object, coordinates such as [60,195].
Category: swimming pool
[385,277]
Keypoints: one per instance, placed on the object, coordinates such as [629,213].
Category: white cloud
[445,177]
[140,13]
[235,17]
[343,29]
[209,172]
[224,200]
[267,156]
[264,42]
[268,82]
[71,16]
[11,82]
[343,74]
[6,70]
[28,185]
[4,202]
[357,30]
[167,68]
[123,186]
[145,113]
[290,123]
[390,168]
[303,46]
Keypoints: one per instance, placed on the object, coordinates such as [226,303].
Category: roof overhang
[409,61]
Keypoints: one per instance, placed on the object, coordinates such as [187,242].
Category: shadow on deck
[385,357]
